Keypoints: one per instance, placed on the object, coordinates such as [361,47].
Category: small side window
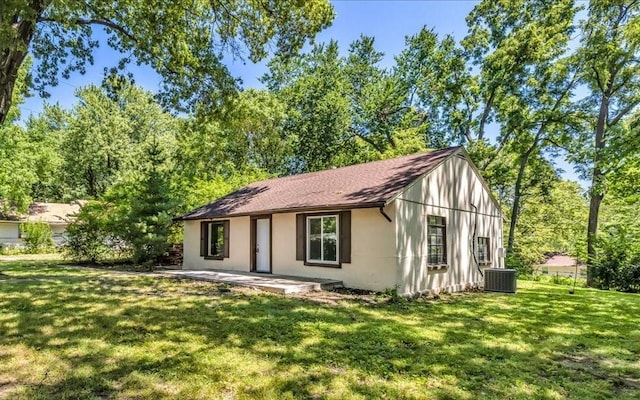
[436,240]
[483,250]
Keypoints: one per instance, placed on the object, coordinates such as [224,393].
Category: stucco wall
[373,264]
[238,247]
[373,256]
[449,192]
[9,232]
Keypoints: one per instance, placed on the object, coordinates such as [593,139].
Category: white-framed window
[436,240]
[483,250]
[216,240]
[322,239]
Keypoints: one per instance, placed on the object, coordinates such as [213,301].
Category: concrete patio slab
[281,284]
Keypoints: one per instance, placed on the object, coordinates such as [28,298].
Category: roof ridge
[428,151]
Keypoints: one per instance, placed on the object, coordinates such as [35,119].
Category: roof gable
[462,154]
[370,184]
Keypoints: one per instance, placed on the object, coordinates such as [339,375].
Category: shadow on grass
[143,336]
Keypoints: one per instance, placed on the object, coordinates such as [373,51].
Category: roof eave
[327,207]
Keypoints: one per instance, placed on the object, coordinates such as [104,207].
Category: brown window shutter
[345,237]
[300,236]
[204,238]
[225,250]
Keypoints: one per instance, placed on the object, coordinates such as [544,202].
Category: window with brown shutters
[324,239]
[214,240]
[300,235]
[204,238]
[225,246]
[345,237]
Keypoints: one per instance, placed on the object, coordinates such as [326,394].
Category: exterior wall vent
[500,280]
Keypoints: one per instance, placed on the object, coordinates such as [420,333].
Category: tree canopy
[184,41]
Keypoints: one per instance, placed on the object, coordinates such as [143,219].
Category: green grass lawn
[110,336]
[42,269]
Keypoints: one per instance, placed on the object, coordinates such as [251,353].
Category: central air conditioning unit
[500,280]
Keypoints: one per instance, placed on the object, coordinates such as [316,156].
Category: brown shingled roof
[357,186]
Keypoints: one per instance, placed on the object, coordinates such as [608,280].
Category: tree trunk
[10,62]
[597,196]
[12,55]
[517,195]
[485,113]
[594,211]
[92,186]
[515,207]
[596,192]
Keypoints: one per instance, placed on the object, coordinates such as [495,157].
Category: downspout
[384,214]
[474,239]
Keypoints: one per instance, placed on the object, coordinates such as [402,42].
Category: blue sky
[388,21]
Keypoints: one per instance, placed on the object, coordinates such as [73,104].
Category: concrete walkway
[281,284]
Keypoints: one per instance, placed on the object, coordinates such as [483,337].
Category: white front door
[263,245]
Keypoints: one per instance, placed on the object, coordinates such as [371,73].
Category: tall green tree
[255,131]
[150,206]
[526,81]
[16,154]
[313,88]
[16,174]
[506,40]
[182,40]
[380,116]
[344,109]
[30,159]
[438,87]
[610,56]
[248,134]
[219,152]
[45,133]
[552,222]
[103,135]
[134,216]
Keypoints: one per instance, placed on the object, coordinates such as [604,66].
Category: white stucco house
[57,215]
[419,223]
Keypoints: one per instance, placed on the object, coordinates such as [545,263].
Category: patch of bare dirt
[336,296]
[6,387]
[594,368]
